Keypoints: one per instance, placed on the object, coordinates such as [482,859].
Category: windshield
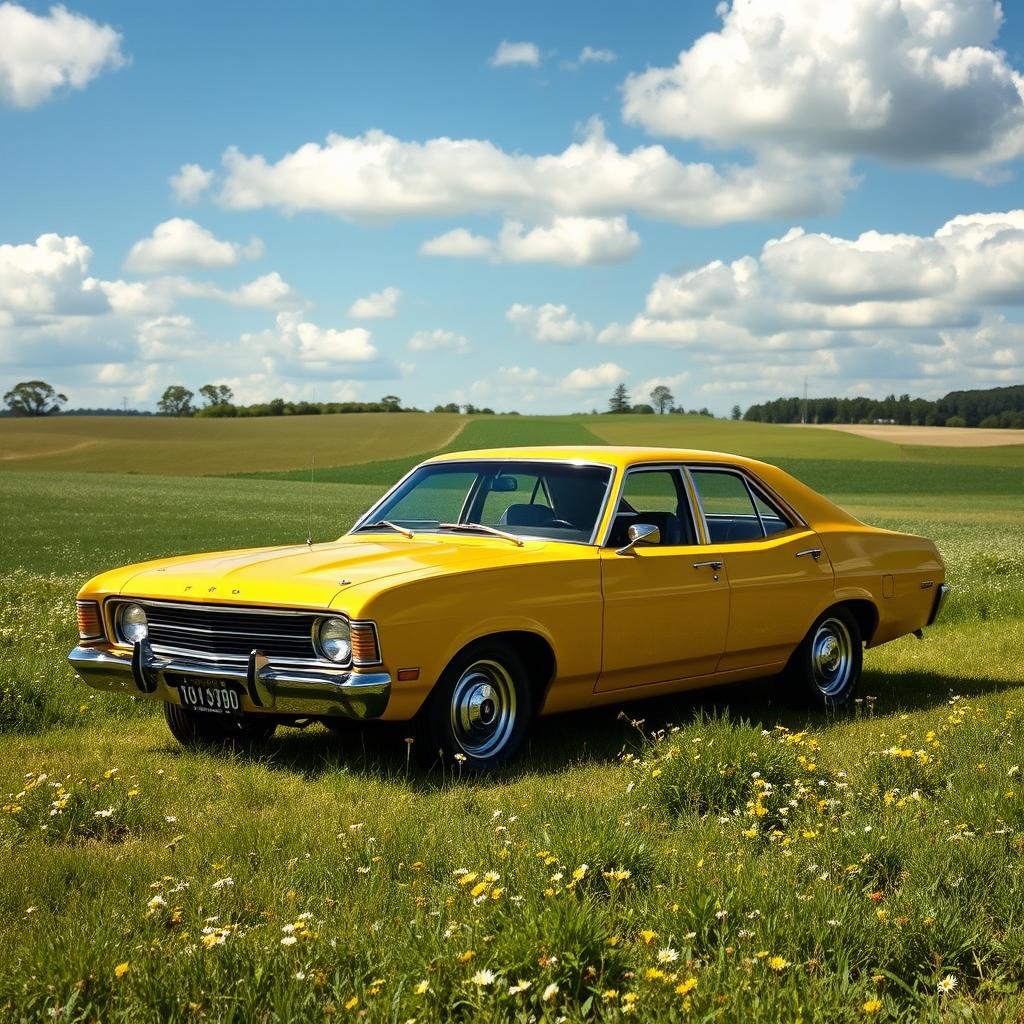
[551,500]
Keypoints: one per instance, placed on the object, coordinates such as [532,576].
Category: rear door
[665,617]
[780,578]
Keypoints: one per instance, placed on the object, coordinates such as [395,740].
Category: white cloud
[438,341]
[910,81]
[190,183]
[269,291]
[458,242]
[40,54]
[590,55]
[377,176]
[166,337]
[549,323]
[593,377]
[511,54]
[159,294]
[570,241]
[48,277]
[380,305]
[323,347]
[180,242]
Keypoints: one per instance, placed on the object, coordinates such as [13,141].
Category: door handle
[815,553]
[715,564]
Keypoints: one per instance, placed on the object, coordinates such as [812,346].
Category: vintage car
[487,587]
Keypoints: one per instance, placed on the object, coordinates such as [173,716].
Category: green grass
[874,853]
[191,447]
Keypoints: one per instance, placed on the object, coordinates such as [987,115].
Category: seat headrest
[526,515]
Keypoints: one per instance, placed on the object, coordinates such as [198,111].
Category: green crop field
[713,857]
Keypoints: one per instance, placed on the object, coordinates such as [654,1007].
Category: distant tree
[176,401]
[642,407]
[216,394]
[737,413]
[662,398]
[33,398]
[392,403]
[956,421]
[619,402]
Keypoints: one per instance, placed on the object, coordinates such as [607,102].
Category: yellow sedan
[488,587]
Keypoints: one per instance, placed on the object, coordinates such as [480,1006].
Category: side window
[656,497]
[733,511]
[772,519]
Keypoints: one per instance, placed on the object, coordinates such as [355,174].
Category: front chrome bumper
[279,690]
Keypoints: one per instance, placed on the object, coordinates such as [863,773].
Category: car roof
[606,455]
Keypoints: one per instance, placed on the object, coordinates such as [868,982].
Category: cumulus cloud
[438,341]
[549,323]
[879,306]
[380,305]
[909,81]
[570,241]
[180,242]
[593,377]
[40,54]
[190,183]
[48,277]
[323,347]
[377,176]
[160,294]
[511,54]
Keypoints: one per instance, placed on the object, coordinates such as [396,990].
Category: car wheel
[196,729]
[825,669]
[480,710]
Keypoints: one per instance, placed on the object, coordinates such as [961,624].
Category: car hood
[314,576]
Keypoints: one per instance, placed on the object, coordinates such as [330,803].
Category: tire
[480,710]
[824,671]
[196,729]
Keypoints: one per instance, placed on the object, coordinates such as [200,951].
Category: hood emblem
[344,583]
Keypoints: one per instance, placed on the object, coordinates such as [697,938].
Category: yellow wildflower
[121,969]
[686,986]
[872,1006]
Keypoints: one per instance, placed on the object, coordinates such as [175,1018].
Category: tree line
[991,407]
[662,402]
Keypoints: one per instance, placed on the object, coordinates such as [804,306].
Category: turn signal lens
[365,647]
[90,626]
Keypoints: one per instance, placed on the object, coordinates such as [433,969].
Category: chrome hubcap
[832,657]
[483,711]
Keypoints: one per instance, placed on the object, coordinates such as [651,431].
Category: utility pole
[803,412]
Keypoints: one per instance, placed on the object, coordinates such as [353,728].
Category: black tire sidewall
[436,739]
[800,676]
[193,729]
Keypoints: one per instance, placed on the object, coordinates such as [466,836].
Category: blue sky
[688,205]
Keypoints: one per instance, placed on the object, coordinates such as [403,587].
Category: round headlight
[131,623]
[335,639]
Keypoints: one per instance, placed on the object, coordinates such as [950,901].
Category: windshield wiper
[482,529]
[403,530]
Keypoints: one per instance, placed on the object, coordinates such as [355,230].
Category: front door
[665,613]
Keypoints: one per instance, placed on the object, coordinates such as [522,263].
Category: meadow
[713,857]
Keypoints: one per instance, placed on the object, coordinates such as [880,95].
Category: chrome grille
[230,634]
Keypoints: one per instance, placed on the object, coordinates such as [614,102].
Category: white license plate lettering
[213,697]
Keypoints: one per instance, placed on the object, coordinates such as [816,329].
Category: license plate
[210,696]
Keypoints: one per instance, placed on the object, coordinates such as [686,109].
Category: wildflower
[687,986]
[947,984]
[721,915]
[352,1003]
[778,963]
[289,940]
[654,974]
[667,955]
[121,969]
[464,958]
[648,936]
[170,819]
[223,883]
[578,874]
[483,978]
[520,986]
[872,1006]
[216,937]
[422,988]
[550,992]
[106,813]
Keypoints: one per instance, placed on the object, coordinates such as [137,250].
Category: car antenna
[309,529]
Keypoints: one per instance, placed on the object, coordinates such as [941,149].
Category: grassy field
[710,858]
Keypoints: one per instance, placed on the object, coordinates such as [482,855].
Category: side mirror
[642,533]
